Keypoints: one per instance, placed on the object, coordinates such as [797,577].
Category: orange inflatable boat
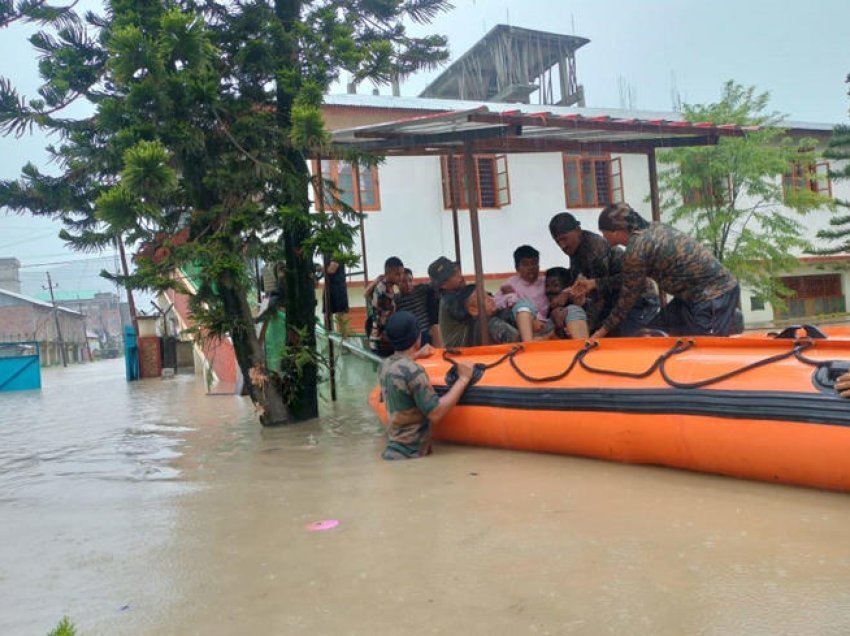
[752,407]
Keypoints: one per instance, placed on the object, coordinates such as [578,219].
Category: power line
[71,262]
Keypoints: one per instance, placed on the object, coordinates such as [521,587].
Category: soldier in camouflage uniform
[412,405]
[705,294]
[591,257]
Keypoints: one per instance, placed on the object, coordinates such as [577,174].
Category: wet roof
[515,130]
[542,51]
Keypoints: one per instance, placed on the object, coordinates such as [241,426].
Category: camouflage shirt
[679,264]
[383,305]
[596,259]
[409,398]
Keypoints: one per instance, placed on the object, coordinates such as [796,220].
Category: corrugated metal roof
[442,105]
[518,130]
[36,301]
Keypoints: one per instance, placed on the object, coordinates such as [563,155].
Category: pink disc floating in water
[318,526]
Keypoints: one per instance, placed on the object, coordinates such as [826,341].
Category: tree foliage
[738,197]
[838,149]
[206,115]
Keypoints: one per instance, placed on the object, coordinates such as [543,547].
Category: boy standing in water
[412,405]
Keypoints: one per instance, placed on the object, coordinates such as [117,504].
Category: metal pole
[326,310]
[653,186]
[362,225]
[656,205]
[453,194]
[472,198]
[56,320]
[126,272]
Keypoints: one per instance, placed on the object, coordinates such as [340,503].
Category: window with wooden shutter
[592,181]
[717,193]
[341,174]
[808,176]
[491,181]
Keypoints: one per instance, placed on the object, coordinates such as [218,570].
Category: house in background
[105,314]
[406,200]
[23,318]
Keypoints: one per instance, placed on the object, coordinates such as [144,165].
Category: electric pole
[56,319]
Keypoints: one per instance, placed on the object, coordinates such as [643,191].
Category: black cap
[562,223]
[441,270]
[402,330]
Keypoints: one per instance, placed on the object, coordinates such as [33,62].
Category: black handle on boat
[790,332]
[478,370]
[827,373]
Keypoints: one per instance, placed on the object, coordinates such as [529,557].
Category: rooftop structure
[510,64]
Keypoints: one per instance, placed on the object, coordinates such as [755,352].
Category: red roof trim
[832,258]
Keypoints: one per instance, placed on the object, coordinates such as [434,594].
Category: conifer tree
[206,115]
[838,149]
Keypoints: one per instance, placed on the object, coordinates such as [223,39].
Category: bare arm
[367,293]
[436,336]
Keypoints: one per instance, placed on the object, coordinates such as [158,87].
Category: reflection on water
[152,508]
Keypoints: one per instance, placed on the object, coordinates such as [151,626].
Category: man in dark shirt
[459,309]
[705,294]
[592,258]
[424,303]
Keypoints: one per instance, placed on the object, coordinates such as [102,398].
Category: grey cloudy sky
[798,52]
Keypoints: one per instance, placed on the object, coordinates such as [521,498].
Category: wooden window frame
[808,176]
[498,167]
[696,195]
[333,173]
[614,175]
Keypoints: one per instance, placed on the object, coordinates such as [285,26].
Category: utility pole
[120,243]
[56,319]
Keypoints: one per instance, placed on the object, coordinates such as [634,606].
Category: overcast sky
[798,52]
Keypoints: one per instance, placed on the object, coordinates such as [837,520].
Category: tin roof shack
[24,318]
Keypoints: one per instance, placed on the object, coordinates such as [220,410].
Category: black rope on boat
[553,378]
[679,347]
[478,368]
[660,364]
[799,346]
[798,353]
[456,352]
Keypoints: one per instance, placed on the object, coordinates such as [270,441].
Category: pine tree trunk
[300,283]
[265,392]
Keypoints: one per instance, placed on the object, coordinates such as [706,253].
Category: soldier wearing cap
[412,405]
[592,258]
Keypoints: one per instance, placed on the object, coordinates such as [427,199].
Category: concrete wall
[22,320]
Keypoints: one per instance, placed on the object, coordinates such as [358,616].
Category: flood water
[153,508]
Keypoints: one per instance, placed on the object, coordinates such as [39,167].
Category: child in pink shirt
[525,291]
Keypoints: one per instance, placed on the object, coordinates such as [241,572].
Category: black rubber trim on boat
[814,408]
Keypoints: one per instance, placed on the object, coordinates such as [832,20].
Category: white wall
[413,225]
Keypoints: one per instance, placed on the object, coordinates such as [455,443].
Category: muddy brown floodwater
[152,508]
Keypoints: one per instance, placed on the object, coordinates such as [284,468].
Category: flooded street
[153,508]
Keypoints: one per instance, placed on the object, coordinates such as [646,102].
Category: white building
[407,211]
